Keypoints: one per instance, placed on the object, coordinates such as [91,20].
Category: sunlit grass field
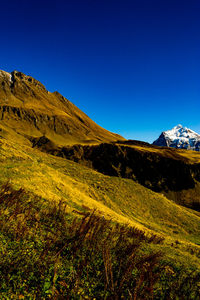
[121,200]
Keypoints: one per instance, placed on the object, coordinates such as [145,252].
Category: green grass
[49,254]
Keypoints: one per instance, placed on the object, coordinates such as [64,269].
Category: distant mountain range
[179,137]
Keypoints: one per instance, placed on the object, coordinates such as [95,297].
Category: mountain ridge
[29,109]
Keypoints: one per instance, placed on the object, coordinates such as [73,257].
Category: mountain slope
[179,137]
[123,200]
[172,172]
[34,126]
[37,118]
[27,108]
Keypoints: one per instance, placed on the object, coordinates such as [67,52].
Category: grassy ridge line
[189,156]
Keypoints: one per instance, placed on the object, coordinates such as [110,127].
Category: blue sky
[132,65]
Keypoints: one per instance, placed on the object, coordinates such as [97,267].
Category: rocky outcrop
[40,121]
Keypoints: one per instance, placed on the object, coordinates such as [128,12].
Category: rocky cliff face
[179,137]
[27,108]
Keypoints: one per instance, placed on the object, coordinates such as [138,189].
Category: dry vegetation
[48,253]
[137,245]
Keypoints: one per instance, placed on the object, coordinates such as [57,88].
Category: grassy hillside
[50,254]
[138,242]
[123,200]
[172,172]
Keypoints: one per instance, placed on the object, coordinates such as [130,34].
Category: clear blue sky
[132,65]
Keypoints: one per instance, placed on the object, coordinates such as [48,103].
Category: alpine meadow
[87,214]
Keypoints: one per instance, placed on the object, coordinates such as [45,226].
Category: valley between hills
[139,202]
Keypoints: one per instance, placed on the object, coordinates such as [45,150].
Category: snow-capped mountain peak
[179,137]
[179,131]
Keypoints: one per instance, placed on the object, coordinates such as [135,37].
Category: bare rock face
[27,108]
[179,137]
[5,84]
[27,85]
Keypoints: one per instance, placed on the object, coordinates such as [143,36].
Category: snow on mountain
[5,74]
[179,137]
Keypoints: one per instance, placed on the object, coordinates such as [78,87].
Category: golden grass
[124,200]
[118,199]
[188,155]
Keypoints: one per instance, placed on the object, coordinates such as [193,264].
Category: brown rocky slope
[27,108]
